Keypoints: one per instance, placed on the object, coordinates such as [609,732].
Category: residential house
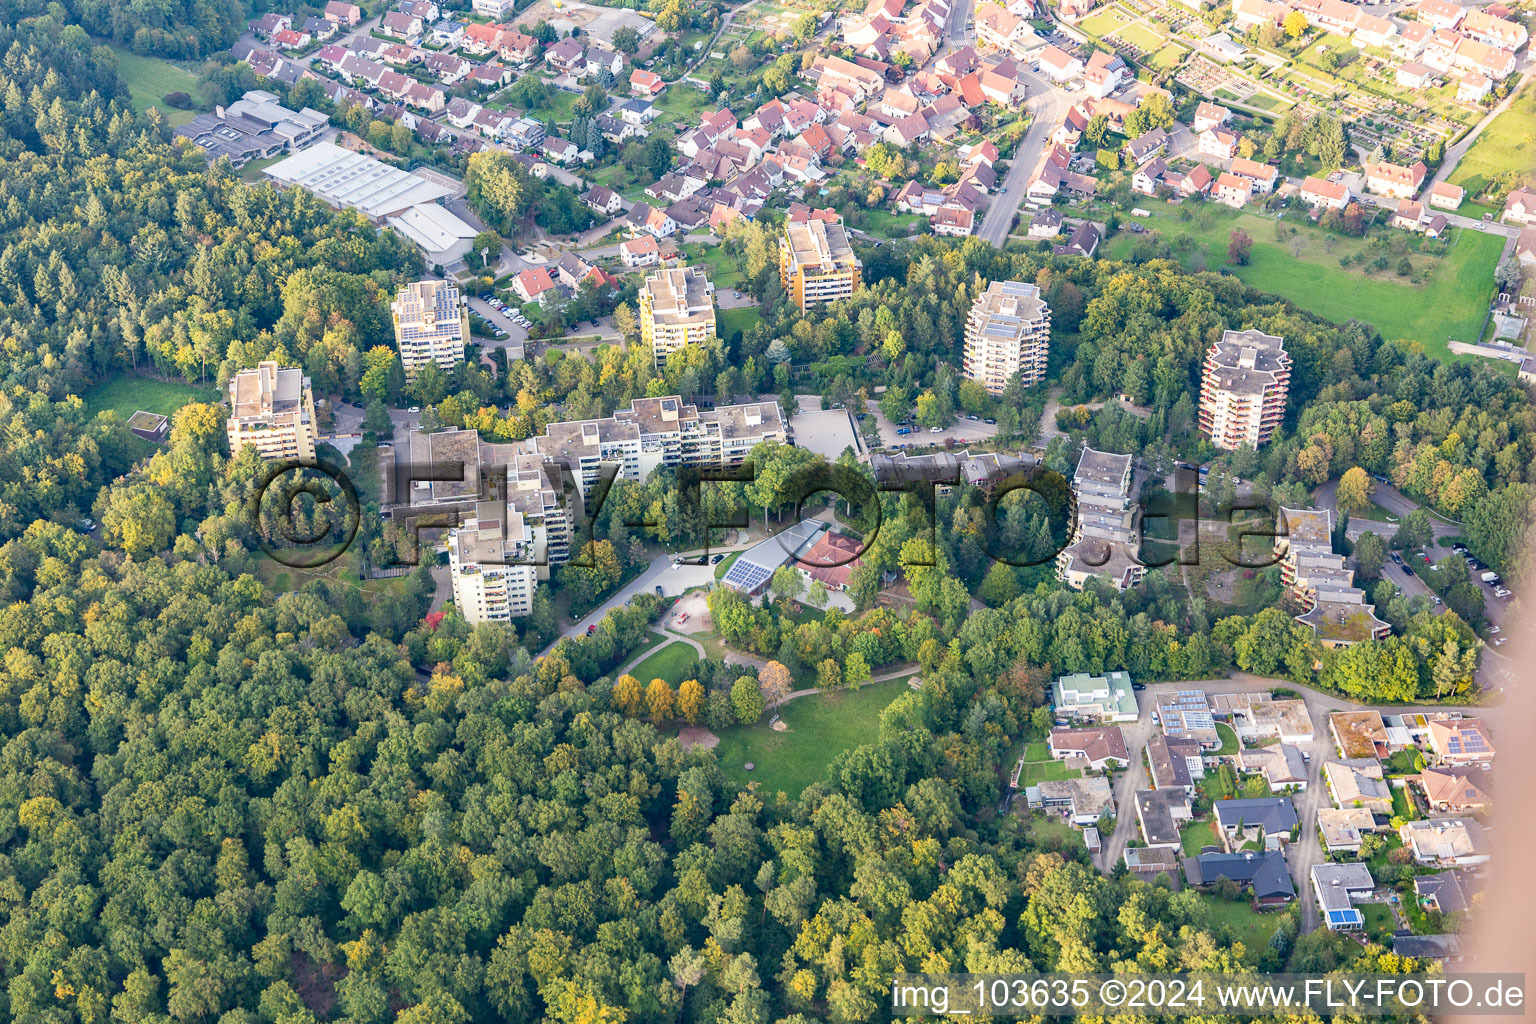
[1058,65]
[1106,698]
[1390,179]
[571,270]
[1281,764]
[637,111]
[1147,862]
[1412,40]
[1262,874]
[1083,241]
[560,151]
[1196,182]
[1085,799]
[1186,715]
[427,10]
[1102,747]
[1485,28]
[1358,782]
[319,29]
[291,39]
[1459,789]
[1439,14]
[399,25]
[345,14]
[1337,888]
[645,83]
[1445,195]
[1449,892]
[1210,115]
[1373,30]
[1520,207]
[1267,820]
[490,76]
[1149,176]
[1414,75]
[1263,176]
[533,284]
[447,32]
[603,200]
[645,217]
[1159,814]
[1343,828]
[1174,763]
[1217,142]
[1358,734]
[1455,842]
[1147,145]
[1473,87]
[1443,949]
[269,25]
[640,251]
[1460,741]
[1232,190]
[494,8]
[1104,74]
[1250,14]
[1045,224]
[566,56]
[1257,716]
[599,59]
[517,47]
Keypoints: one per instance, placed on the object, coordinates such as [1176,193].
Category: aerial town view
[766,511]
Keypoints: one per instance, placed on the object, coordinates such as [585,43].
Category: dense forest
[220,803]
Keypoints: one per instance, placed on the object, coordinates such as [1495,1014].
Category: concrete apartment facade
[1243,390]
[1320,580]
[677,308]
[431,325]
[484,552]
[816,263]
[272,409]
[1008,332]
[1104,541]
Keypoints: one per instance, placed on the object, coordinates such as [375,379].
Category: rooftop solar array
[1344,917]
[745,575]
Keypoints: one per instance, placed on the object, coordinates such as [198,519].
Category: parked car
[1493,629]
[1138,686]
[1435,600]
[973,417]
[658,590]
[990,421]
[85,525]
[716,559]
[592,629]
[1500,641]
[903,431]
[1408,569]
[935,430]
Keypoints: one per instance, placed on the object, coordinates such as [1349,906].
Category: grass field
[1196,836]
[673,662]
[1380,922]
[1229,743]
[150,80]
[1040,771]
[1507,144]
[1451,304]
[127,394]
[1141,36]
[742,318]
[1249,927]
[1168,57]
[1104,22]
[717,263]
[820,728]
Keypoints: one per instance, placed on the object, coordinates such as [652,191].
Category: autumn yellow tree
[775,681]
[690,701]
[1295,24]
[660,700]
[1355,490]
[626,694]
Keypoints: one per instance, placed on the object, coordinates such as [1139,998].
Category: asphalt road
[1049,106]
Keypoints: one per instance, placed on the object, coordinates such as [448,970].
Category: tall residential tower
[1243,390]
[1009,332]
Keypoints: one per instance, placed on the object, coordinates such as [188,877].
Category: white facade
[1008,332]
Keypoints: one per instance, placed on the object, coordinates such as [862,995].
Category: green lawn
[820,728]
[151,79]
[1505,145]
[1168,57]
[1196,836]
[683,102]
[725,564]
[1040,771]
[742,318]
[1229,744]
[1451,304]
[1104,22]
[1249,927]
[1141,36]
[1039,750]
[673,662]
[888,224]
[127,394]
[718,264]
[1379,922]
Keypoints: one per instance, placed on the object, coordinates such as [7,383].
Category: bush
[179,100]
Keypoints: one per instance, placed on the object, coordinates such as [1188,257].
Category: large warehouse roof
[344,178]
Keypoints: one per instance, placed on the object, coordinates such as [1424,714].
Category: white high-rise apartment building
[1243,389]
[1104,539]
[273,409]
[660,432]
[483,555]
[677,308]
[431,325]
[1009,332]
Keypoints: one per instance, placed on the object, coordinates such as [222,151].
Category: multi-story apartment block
[1009,332]
[660,432]
[1320,580]
[431,325]
[816,263]
[677,308]
[1243,390]
[273,409]
[1104,540]
[490,558]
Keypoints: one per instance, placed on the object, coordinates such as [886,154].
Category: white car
[1494,629]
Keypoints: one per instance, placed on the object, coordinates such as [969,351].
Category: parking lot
[962,430]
